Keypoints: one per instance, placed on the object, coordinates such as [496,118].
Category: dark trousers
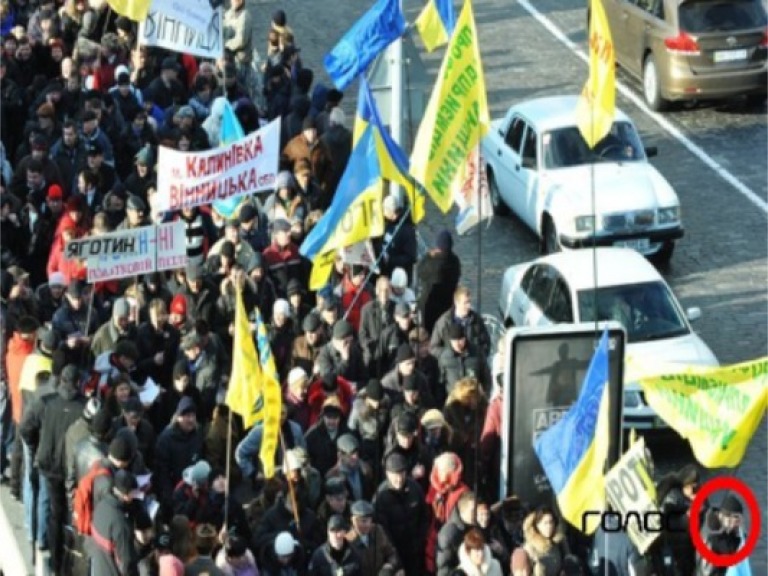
[56,521]
[17,465]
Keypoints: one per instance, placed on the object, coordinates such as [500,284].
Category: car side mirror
[651,151]
[693,314]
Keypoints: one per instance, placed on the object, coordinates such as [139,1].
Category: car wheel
[497,202]
[664,255]
[549,237]
[652,86]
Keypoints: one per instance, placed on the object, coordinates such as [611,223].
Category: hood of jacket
[539,545]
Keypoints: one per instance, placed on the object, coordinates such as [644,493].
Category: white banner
[631,492]
[167,31]
[195,14]
[118,242]
[470,192]
[157,248]
[187,179]
[359,253]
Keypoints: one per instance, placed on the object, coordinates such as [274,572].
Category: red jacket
[18,350]
[316,396]
[441,499]
[348,292]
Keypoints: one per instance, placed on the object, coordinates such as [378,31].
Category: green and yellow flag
[244,393]
[597,104]
[273,400]
[456,117]
[717,409]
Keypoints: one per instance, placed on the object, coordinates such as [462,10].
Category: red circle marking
[707,489]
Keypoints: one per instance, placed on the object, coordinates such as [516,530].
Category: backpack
[82,503]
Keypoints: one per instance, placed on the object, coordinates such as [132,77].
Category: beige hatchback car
[692,49]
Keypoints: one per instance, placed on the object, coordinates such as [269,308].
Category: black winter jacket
[175,450]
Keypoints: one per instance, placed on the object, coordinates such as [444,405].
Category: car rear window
[718,16]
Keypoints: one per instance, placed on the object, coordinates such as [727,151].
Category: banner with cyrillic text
[165,29]
[120,242]
[247,166]
[156,248]
[195,14]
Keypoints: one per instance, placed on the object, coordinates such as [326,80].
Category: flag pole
[396,97]
[291,490]
[228,467]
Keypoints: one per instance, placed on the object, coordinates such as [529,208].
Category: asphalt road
[721,263]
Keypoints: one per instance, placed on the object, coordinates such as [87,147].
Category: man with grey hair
[338,141]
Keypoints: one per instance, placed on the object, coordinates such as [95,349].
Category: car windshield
[719,16]
[647,311]
[565,147]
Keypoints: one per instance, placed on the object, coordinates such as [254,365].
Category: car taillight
[682,44]
[764,40]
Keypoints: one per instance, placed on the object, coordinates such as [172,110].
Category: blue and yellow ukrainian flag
[230,131]
[393,163]
[272,398]
[375,30]
[436,23]
[244,392]
[573,451]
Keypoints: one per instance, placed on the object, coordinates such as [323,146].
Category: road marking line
[665,124]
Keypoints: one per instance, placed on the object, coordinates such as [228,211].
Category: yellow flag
[597,104]
[273,399]
[716,409]
[456,117]
[136,10]
[244,394]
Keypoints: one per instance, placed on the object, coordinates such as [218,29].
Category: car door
[509,181]
[641,17]
[528,175]
[615,13]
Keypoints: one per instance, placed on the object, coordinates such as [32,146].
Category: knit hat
[342,329]
[338,522]
[311,323]
[278,20]
[399,278]
[455,332]
[395,462]
[49,341]
[335,486]
[28,325]
[294,287]
[144,156]
[281,307]
[135,203]
[227,249]
[186,405]
[101,423]
[121,448]
[54,193]
[235,546]
[731,505]
[292,461]
[281,225]
[406,423]
[296,375]
[127,348]
[179,305]
[374,390]
[404,353]
[433,418]
[402,310]
[57,278]
[133,406]
[125,482]
[284,180]
[361,508]
[347,443]
[285,544]
[197,474]
[121,308]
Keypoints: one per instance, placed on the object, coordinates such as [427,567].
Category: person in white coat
[475,558]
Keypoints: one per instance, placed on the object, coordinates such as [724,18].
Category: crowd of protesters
[390,430]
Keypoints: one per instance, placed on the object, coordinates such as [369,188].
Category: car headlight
[632,399]
[668,215]
[585,223]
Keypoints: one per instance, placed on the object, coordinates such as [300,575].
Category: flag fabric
[355,213]
[742,568]
[456,117]
[272,399]
[436,23]
[717,409]
[573,452]
[470,192]
[230,131]
[376,30]
[244,393]
[135,10]
[597,104]
[393,163]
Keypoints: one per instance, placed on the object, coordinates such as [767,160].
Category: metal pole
[396,101]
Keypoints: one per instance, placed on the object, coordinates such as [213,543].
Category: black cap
[49,340]
[125,482]
[278,18]
[76,288]
[335,486]
[308,123]
[374,390]
[402,309]
[361,508]
[123,79]
[186,405]
[133,406]
[334,96]
[455,332]
[404,353]
[281,225]
[731,505]
[121,448]
[347,443]
[407,423]
[311,323]
[396,463]
[294,287]
[342,329]
[338,522]
[169,63]
[247,213]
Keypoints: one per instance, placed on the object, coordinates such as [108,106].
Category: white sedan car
[540,168]
[559,288]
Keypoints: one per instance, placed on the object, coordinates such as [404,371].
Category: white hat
[284,544]
[296,375]
[292,461]
[391,203]
[57,279]
[281,307]
[399,278]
